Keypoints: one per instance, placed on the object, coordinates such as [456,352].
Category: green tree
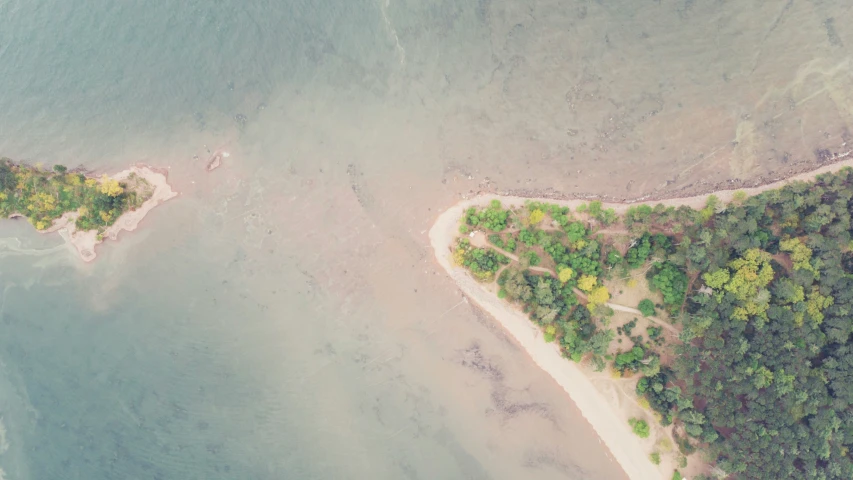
[646,307]
[670,280]
[640,427]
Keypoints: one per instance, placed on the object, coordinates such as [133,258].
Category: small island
[83,209]
[718,324]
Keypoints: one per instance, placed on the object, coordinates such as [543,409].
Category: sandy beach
[610,424]
[84,242]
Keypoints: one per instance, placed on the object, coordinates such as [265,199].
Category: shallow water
[283,317]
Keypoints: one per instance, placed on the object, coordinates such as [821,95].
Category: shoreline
[796,171]
[694,201]
[84,242]
[616,434]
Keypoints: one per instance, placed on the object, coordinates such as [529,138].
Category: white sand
[610,424]
[84,242]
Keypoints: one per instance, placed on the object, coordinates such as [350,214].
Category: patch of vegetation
[639,427]
[533,259]
[45,195]
[655,458]
[594,210]
[646,307]
[630,360]
[493,218]
[654,334]
[671,281]
[536,216]
[483,263]
[627,328]
[528,237]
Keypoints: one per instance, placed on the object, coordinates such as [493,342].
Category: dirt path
[479,240]
[612,231]
[655,320]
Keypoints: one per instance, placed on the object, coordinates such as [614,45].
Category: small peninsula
[701,337]
[83,209]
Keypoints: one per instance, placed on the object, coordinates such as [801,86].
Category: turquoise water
[283,317]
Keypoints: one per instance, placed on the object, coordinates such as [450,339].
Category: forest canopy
[760,291]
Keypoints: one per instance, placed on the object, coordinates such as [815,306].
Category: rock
[215,161]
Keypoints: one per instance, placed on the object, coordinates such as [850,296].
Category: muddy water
[283,317]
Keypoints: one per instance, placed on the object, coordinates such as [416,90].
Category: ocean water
[283,317]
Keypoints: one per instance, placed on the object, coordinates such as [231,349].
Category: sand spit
[614,432]
[84,242]
[611,425]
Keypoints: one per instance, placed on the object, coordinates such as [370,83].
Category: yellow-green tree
[739,197]
[815,305]
[717,278]
[536,216]
[801,255]
[565,274]
[110,186]
[459,256]
[598,296]
[43,202]
[587,283]
[73,179]
[550,333]
[711,206]
[752,273]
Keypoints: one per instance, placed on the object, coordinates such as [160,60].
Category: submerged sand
[606,419]
[84,242]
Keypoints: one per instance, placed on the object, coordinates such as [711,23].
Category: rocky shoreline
[832,162]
